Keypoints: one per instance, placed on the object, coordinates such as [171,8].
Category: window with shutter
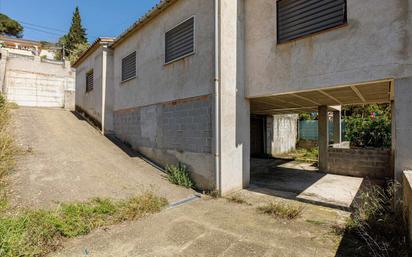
[180,41]
[129,67]
[89,81]
[299,18]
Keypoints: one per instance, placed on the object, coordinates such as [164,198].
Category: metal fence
[308,129]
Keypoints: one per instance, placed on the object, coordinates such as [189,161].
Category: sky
[49,19]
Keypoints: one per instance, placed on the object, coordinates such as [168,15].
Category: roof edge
[93,47]
[151,14]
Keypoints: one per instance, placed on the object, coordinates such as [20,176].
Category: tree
[10,27]
[75,40]
[77,51]
[77,34]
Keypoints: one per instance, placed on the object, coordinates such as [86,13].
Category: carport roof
[309,101]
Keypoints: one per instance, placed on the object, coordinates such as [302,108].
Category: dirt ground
[66,159]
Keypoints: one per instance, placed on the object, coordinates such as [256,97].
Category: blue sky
[48,19]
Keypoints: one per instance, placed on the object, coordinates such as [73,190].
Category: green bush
[179,175]
[366,132]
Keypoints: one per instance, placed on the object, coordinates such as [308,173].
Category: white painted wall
[30,82]
[91,102]
[156,82]
[376,44]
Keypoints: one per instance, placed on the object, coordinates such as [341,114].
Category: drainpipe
[104,84]
[217,97]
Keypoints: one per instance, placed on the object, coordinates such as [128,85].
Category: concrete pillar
[402,126]
[337,127]
[234,116]
[323,138]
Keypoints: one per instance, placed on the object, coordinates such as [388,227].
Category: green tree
[75,40]
[10,27]
[77,34]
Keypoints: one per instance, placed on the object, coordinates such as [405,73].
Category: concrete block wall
[372,163]
[171,132]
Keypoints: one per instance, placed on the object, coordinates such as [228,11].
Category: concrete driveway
[68,160]
[211,228]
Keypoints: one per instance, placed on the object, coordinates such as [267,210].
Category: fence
[308,129]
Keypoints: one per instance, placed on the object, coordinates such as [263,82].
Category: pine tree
[74,40]
[77,34]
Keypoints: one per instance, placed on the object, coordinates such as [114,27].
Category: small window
[129,67]
[89,81]
[180,41]
[299,18]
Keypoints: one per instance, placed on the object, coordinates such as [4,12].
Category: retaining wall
[359,162]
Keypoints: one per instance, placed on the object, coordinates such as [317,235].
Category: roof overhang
[93,47]
[309,101]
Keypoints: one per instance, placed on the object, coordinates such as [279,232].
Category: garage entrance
[337,175]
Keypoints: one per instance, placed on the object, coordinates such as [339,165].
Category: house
[27,47]
[192,80]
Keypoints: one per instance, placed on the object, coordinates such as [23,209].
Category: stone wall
[167,133]
[372,163]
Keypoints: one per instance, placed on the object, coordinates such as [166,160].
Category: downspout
[104,84]
[217,98]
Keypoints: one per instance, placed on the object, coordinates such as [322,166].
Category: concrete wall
[30,82]
[374,45]
[172,132]
[372,163]
[282,131]
[144,114]
[159,83]
[402,126]
[90,102]
[407,199]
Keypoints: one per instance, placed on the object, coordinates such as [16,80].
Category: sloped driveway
[66,159]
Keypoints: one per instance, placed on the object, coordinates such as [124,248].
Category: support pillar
[337,127]
[323,138]
[402,127]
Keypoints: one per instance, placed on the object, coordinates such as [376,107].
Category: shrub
[366,132]
[378,225]
[179,175]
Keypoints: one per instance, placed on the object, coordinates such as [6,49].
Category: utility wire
[42,27]
[43,31]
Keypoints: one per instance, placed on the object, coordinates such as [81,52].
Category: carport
[324,101]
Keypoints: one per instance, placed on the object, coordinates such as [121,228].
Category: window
[180,41]
[298,18]
[89,81]
[129,67]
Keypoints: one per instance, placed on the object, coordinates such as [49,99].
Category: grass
[179,175]
[303,154]
[39,232]
[237,199]
[281,210]
[8,149]
[378,226]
